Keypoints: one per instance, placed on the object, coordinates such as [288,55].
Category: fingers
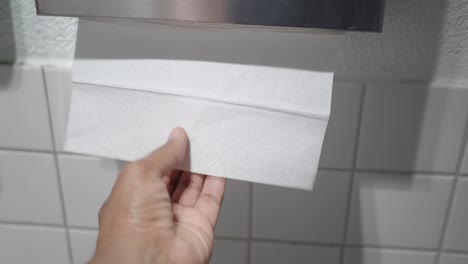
[167,157]
[171,180]
[188,189]
[211,197]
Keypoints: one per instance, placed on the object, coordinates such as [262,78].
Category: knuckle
[210,199]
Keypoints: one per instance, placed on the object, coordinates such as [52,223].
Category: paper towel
[255,119]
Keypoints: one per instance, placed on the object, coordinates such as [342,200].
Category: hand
[157,215]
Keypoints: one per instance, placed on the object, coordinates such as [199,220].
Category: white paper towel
[247,118]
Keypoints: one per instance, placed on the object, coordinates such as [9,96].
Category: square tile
[412,128]
[398,210]
[23,109]
[229,252]
[87,182]
[340,138]
[276,253]
[58,83]
[457,230]
[296,215]
[387,256]
[29,190]
[83,244]
[453,259]
[235,217]
[24,244]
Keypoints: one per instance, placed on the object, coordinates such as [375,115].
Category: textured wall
[34,39]
[452,67]
[407,48]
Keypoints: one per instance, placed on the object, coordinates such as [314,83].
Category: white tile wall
[23,109]
[24,244]
[58,82]
[280,253]
[229,252]
[398,210]
[391,215]
[457,230]
[411,127]
[83,244]
[29,190]
[295,215]
[387,256]
[453,259]
[464,168]
[445,119]
[234,218]
[340,139]
[87,182]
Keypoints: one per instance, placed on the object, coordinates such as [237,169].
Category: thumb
[167,157]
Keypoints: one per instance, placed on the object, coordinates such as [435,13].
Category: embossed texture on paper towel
[257,122]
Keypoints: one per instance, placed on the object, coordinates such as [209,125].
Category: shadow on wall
[7,40]
[404,128]
[7,37]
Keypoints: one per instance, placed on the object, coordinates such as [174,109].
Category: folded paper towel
[248,118]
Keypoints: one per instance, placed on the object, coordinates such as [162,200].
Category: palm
[195,207]
[154,217]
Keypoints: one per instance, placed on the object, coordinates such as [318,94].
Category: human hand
[157,215]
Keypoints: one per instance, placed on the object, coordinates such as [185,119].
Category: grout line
[62,152]
[448,212]
[83,228]
[33,224]
[385,171]
[351,246]
[26,150]
[57,169]
[402,248]
[231,238]
[250,227]
[334,169]
[363,170]
[347,218]
[464,147]
[295,242]
[458,252]
[353,172]
[278,241]
[453,191]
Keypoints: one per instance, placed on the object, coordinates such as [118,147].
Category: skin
[156,214]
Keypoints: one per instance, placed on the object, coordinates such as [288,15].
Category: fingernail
[175,134]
